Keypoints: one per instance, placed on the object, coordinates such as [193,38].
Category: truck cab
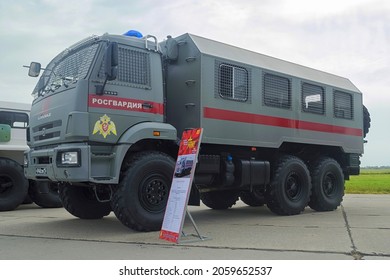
[98,108]
[82,114]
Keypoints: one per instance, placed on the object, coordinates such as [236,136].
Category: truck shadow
[59,224]
[110,228]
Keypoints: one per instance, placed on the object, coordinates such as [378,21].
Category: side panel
[236,111]
[253,123]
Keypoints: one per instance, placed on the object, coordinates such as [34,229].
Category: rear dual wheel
[219,200]
[328,185]
[255,198]
[293,187]
[290,188]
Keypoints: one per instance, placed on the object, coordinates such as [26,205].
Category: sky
[349,38]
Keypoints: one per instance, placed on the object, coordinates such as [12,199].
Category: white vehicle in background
[14,187]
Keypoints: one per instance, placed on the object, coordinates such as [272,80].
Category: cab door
[134,96]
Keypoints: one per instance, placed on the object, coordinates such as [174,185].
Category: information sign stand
[184,238]
[172,227]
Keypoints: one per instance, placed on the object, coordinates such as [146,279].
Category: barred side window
[233,82]
[277,91]
[133,67]
[313,99]
[343,105]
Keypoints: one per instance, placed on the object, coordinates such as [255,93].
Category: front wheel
[141,198]
[290,187]
[328,185]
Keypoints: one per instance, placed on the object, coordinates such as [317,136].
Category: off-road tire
[254,198]
[27,199]
[142,195]
[366,121]
[289,191]
[13,185]
[45,194]
[219,200]
[328,185]
[81,202]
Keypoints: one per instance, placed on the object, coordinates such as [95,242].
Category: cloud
[348,38]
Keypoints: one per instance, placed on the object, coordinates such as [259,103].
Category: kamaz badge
[104,126]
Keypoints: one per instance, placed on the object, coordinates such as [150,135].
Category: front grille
[44,160]
[47,136]
[47,130]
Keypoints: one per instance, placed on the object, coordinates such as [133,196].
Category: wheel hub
[293,186]
[329,185]
[154,194]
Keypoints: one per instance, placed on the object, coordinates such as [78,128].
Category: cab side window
[14,119]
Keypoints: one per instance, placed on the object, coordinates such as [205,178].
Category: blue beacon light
[133,33]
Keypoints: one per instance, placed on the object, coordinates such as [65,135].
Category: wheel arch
[142,137]
[309,153]
[148,130]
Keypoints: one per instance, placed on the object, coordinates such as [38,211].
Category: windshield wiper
[62,81]
[67,80]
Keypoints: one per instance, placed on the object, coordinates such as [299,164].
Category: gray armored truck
[108,113]
[15,189]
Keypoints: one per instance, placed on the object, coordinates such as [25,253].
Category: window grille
[133,67]
[343,105]
[277,91]
[313,99]
[233,82]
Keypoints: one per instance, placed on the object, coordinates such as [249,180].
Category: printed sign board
[181,185]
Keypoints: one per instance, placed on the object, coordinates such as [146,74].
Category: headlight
[69,158]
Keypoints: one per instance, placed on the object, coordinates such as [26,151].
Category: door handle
[147,106]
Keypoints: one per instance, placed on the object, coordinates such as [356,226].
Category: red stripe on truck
[126,104]
[227,115]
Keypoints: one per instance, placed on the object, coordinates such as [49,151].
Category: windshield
[67,67]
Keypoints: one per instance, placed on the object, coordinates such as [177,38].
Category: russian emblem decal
[105,126]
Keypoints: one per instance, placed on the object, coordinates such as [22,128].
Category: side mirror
[111,61]
[34,69]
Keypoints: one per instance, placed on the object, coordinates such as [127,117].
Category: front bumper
[72,163]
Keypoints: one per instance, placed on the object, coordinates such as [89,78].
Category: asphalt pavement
[359,229]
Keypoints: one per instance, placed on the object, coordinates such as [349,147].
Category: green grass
[374,181]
